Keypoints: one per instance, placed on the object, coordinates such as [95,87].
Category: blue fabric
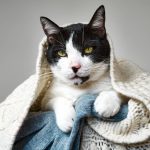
[40,132]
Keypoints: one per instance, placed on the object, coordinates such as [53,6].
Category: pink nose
[76,67]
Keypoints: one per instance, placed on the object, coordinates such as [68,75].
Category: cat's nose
[76,67]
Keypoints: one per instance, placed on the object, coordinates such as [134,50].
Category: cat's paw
[107,104]
[65,118]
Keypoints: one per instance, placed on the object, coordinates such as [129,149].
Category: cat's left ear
[97,23]
[49,26]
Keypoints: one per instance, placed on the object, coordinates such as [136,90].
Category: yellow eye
[88,50]
[61,53]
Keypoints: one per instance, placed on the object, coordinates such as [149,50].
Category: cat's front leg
[107,103]
[64,111]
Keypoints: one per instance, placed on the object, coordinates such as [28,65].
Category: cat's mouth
[83,79]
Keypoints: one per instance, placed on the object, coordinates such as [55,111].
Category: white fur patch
[107,103]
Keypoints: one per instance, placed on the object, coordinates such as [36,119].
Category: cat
[79,57]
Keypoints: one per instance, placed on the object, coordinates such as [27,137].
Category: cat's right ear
[97,23]
[49,26]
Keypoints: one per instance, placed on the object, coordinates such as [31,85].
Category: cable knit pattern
[133,133]
[91,140]
[128,130]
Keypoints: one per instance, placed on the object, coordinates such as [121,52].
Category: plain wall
[127,21]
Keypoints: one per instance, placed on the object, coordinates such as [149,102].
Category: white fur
[107,103]
[64,93]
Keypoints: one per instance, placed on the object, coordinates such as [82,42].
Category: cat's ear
[49,26]
[97,23]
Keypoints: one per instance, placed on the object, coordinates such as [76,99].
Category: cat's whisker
[99,67]
[45,74]
[46,77]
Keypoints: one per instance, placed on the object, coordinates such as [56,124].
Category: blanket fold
[126,78]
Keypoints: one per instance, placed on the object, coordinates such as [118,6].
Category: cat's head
[78,53]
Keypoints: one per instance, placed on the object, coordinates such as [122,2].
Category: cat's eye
[88,50]
[61,53]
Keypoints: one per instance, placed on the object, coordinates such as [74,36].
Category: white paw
[65,118]
[107,103]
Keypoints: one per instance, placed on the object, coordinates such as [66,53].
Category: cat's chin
[76,80]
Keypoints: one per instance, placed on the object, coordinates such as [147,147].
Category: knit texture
[126,78]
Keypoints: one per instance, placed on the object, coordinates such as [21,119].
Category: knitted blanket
[127,79]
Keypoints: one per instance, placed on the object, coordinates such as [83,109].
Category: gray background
[128,22]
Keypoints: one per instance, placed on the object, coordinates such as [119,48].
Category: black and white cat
[79,57]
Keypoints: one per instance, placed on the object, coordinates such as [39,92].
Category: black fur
[85,35]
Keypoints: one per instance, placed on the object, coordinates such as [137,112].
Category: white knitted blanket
[126,77]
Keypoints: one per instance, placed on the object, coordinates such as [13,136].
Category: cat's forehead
[81,33]
[78,27]
[74,29]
